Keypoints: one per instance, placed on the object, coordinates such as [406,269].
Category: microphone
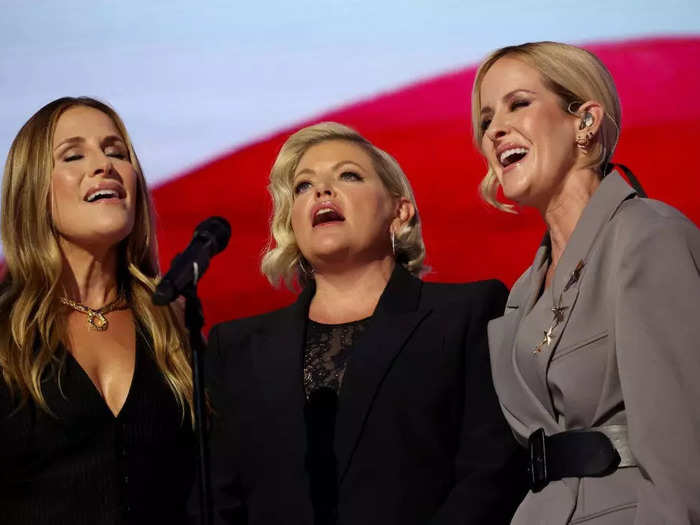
[210,237]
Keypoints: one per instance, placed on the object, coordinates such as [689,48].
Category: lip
[106,185]
[325,205]
[500,148]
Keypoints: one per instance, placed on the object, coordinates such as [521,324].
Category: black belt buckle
[537,468]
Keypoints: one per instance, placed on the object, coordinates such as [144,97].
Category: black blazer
[419,435]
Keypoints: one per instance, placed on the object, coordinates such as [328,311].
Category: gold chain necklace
[558,310]
[96,318]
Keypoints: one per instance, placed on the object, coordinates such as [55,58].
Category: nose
[102,165]
[325,188]
[497,128]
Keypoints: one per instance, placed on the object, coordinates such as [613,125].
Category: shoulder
[488,295]
[645,211]
[240,328]
[647,225]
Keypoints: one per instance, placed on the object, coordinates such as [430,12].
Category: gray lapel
[503,331]
[613,190]
[508,379]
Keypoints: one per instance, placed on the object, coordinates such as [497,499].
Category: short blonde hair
[32,327]
[575,76]
[283,261]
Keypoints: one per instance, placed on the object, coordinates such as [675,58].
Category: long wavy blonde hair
[283,261]
[575,76]
[32,327]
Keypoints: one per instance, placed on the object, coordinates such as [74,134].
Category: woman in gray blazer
[597,358]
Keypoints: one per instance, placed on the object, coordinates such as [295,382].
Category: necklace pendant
[558,312]
[97,321]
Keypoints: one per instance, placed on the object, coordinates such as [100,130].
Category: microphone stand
[194,321]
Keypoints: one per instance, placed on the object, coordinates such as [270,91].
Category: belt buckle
[537,467]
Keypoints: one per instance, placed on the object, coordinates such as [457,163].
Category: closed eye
[116,154]
[519,104]
[71,158]
[485,124]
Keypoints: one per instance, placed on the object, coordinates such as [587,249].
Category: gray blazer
[627,352]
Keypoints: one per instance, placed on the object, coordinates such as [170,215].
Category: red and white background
[209,91]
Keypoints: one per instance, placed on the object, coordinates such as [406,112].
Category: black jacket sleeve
[490,479]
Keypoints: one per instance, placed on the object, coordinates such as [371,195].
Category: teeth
[513,151]
[324,210]
[101,193]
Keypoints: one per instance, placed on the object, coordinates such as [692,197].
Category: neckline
[339,325]
[96,392]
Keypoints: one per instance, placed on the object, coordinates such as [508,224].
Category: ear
[590,117]
[405,211]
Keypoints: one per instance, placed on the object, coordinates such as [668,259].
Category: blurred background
[209,91]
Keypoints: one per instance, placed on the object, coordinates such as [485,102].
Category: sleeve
[657,337]
[226,493]
[490,478]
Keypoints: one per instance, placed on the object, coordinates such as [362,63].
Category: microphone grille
[217,232]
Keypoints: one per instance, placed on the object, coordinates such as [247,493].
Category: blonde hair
[576,76]
[283,261]
[32,330]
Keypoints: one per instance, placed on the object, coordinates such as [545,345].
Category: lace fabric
[327,353]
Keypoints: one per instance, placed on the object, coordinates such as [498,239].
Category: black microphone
[210,237]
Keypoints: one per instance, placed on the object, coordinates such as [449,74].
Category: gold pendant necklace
[96,318]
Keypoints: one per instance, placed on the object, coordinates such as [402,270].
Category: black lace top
[328,349]
[326,355]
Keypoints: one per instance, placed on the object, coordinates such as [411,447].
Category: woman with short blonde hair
[283,261]
[595,359]
[371,394]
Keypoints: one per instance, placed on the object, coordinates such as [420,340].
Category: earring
[586,121]
[393,242]
[303,268]
[582,143]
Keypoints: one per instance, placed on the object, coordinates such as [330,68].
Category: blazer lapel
[278,365]
[395,319]
[613,190]
[535,406]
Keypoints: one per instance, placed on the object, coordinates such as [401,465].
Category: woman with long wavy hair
[95,393]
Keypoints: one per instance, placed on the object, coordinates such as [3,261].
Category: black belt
[570,454]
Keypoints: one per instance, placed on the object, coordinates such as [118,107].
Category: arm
[490,479]
[657,336]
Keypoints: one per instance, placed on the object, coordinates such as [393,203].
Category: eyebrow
[507,96]
[334,168]
[108,140]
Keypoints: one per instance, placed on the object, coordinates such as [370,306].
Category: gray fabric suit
[627,352]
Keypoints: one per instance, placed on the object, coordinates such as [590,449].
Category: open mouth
[511,156]
[99,195]
[326,215]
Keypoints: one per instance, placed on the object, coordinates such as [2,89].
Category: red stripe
[426,127]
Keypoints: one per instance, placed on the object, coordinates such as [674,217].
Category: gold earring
[582,142]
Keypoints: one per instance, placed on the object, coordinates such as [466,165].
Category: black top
[327,351]
[87,467]
[418,438]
